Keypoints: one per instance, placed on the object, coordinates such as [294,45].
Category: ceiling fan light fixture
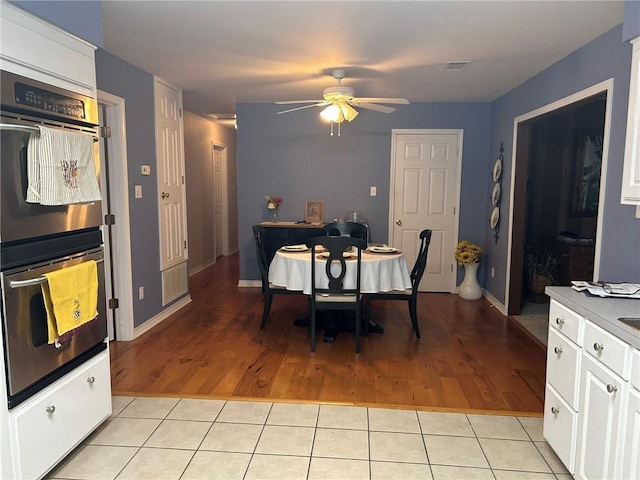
[332,113]
[348,111]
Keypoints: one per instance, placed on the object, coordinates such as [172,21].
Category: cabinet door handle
[51,409]
[611,388]
[598,347]
[90,380]
[557,350]
[559,321]
[555,410]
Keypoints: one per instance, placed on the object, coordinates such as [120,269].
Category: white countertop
[604,312]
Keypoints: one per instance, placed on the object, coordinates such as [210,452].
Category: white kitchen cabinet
[630,193]
[36,49]
[631,439]
[564,355]
[560,427]
[599,429]
[50,424]
[592,396]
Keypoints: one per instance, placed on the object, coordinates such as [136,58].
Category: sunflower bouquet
[467,252]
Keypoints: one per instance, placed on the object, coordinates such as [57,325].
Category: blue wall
[631,27]
[606,57]
[293,156]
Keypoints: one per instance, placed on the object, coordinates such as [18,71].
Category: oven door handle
[25,128]
[18,128]
[35,281]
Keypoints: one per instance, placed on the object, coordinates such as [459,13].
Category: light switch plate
[373,192]
[145,169]
[138,191]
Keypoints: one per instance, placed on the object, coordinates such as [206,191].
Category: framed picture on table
[314,211]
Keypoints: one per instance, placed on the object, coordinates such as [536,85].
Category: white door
[217,199]
[170,164]
[424,195]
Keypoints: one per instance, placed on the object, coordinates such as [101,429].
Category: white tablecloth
[380,272]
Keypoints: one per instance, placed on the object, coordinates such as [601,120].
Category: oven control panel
[50,101]
[27,96]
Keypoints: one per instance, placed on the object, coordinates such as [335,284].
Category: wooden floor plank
[469,358]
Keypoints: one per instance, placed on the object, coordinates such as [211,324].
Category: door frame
[456,194]
[119,195]
[518,250]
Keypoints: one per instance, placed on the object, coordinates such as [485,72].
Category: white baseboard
[201,267]
[249,283]
[495,303]
[163,315]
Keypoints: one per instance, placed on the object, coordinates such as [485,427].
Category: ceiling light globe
[332,113]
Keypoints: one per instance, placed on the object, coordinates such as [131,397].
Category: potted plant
[542,269]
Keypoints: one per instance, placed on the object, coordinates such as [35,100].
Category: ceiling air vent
[455,66]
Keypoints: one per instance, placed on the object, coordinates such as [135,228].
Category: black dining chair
[411,295]
[268,289]
[335,296]
[347,229]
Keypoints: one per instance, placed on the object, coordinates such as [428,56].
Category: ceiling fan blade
[399,101]
[321,104]
[287,102]
[376,108]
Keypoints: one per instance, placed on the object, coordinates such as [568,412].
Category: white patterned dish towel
[60,168]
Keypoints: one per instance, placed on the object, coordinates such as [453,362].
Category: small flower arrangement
[273,202]
[467,252]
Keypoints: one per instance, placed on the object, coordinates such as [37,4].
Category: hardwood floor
[470,357]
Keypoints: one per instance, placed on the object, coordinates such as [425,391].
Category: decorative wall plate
[497,170]
[495,216]
[495,195]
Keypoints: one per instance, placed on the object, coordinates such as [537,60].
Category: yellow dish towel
[70,297]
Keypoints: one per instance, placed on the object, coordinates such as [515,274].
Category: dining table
[383,269]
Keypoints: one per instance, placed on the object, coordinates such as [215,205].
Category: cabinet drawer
[50,424]
[563,367]
[607,348]
[560,427]
[565,321]
[635,370]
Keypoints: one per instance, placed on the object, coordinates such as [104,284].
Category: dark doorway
[556,193]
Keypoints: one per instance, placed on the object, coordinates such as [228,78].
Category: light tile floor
[188,439]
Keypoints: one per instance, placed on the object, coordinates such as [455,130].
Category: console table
[288,233]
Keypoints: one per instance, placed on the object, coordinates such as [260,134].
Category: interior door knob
[398,222]
[164,195]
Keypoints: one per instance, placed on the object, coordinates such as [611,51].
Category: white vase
[470,289]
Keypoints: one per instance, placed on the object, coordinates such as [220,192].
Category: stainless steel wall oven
[36,239]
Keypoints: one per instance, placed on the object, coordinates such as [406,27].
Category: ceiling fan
[339,102]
